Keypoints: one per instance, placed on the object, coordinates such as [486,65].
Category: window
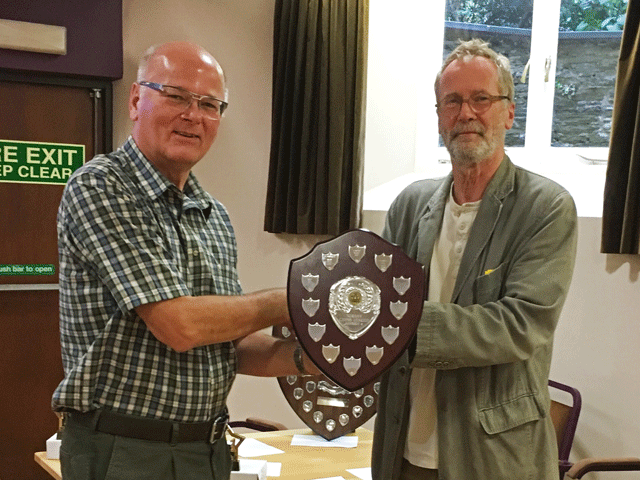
[563,54]
[569,77]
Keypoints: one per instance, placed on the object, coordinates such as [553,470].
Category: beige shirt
[421,448]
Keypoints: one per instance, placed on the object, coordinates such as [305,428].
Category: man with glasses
[469,399]
[153,322]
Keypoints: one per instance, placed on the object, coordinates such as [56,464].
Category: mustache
[466,128]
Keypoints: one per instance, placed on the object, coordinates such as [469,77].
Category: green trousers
[89,455]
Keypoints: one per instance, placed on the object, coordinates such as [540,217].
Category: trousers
[86,454]
[411,472]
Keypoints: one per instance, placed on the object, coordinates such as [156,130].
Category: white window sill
[581,171]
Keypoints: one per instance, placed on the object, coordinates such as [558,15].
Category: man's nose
[193,109]
[466,112]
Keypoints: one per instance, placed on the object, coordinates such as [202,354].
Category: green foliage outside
[575,15]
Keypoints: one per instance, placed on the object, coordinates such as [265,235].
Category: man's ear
[511,109]
[134,99]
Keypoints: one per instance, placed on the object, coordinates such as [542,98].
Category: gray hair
[144,62]
[480,48]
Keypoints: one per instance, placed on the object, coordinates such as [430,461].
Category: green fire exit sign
[37,162]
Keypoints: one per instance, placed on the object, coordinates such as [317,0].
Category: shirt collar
[156,184]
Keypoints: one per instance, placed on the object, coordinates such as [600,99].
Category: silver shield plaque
[355,302]
[325,407]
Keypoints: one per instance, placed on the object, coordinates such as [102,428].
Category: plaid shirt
[126,237]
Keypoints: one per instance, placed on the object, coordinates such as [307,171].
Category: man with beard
[469,399]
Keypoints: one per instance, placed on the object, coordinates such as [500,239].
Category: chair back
[258,424]
[565,420]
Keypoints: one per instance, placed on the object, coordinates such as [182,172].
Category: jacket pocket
[510,415]
[488,286]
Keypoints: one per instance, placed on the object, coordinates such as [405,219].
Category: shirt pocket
[488,286]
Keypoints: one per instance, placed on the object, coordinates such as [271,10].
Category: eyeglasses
[478,102]
[211,107]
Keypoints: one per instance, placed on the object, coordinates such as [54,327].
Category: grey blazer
[492,345]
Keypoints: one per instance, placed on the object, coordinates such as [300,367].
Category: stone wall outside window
[585,80]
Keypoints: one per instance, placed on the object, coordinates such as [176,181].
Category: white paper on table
[318,441]
[363,473]
[274,469]
[251,447]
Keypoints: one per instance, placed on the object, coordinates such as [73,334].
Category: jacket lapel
[488,214]
[429,224]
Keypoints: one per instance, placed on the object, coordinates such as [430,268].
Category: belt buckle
[218,428]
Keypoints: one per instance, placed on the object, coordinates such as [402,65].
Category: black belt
[152,429]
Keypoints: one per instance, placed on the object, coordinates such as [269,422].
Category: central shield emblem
[355,303]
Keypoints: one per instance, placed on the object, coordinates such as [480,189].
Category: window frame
[392,136]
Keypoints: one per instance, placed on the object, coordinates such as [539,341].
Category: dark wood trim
[49,79]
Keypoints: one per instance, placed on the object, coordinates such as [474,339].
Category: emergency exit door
[49,112]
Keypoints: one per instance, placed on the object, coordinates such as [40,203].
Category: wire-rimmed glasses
[211,107]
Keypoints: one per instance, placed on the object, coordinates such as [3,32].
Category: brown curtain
[621,212]
[318,116]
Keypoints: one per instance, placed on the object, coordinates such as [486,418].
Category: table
[298,463]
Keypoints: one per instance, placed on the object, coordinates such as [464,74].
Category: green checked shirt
[127,236]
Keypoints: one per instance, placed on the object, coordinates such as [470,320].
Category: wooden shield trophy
[355,303]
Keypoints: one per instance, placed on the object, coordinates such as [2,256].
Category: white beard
[465,154]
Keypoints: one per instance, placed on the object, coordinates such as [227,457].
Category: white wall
[598,340]
[597,347]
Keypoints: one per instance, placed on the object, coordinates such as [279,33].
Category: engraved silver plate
[374,354]
[356,252]
[317,331]
[351,365]
[343,419]
[330,260]
[401,284]
[383,261]
[330,352]
[390,334]
[332,402]
[354,304]
[398,309]
[310,282]
[310,306]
